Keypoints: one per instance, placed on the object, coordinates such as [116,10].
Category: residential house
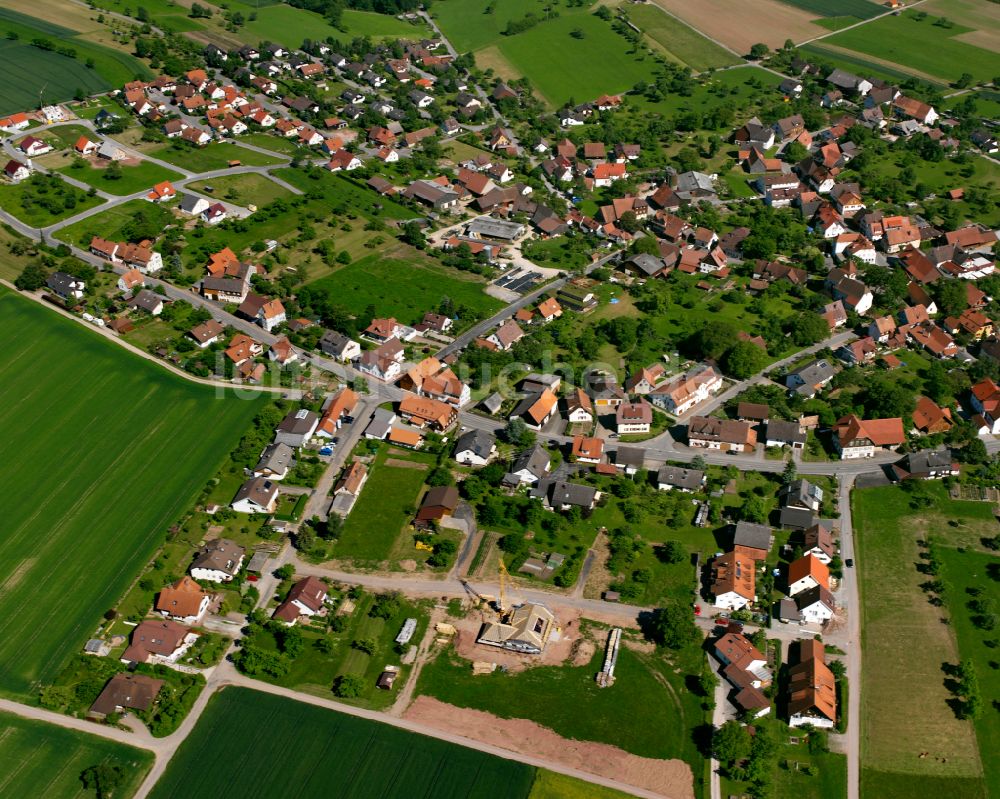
[807,380]
[66,286]
[383,363]
[928,464]
[681,478]
[681,394]
[126,691]
[709,432]
[297,427]
[579,409]
[734,581]
[587,449]
[183,601]
[306,598]
[930,418]
[633,417]
[561,495]
[339,346]
[807,572]
[158,642]
[219,561]
[256,495]
[438,502]
[779,433]
[426,412]
[506,335]
[863,438]
[818,541]
[531,465]
[536,409]
[148,301]
[15,171]
[645,379]
[815,605]
[274,462]
[812,688]
[475,448]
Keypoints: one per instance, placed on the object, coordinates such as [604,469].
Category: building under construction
[525,628]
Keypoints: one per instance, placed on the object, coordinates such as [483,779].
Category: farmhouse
[862,438]
[219,561]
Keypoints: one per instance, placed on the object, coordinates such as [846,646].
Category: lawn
[921,45]
[108,224]
[109,453]
[406,289]
[385,507]
[133,178]
[233,749]
[28,69]
[568,701]
[966,572]
[246,189]
[43,200]
[679,42]
[344,194]
[895,672]
[279,144]
[216,155]
[44,760]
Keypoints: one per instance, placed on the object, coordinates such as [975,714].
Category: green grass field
[468,26]
[922,46]
[680,42]
[133,178]
[246,189]
[405,289]
[62,201]
[28,69]
[106,450]
[237,746]
[43,760]
[895,673]
[567,700]
[165,14]
[108,224]
[386,505]
[289,26]
[965,572]
[857,63]
[216,155]
[550,785]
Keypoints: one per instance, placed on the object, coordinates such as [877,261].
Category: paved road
[850,596]
[466,338]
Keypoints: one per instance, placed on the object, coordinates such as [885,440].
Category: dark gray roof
[680,477]
[479,442]
[563,493]
[796,518]
[536,460]
[788,610]
[800,493]
[221,554]
[928,460]
[815,594]
[299,422]
[755,536]
[493,402]
[788,432]
[147,300]
[275,458]
[630,456]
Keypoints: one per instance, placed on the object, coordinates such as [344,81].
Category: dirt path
[640,775]
[405,695]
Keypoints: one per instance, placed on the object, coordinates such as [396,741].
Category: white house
[805,573]
[816,605]
[219,561]
[306,598]
[475,448]
[183,601]
[257,495]
[271,314]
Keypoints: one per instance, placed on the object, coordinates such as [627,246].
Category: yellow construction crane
[504,577]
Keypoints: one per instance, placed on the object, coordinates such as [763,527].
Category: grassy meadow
[680,42]
[44,760]
[896,672]
[105,452]
[140,177]
[243,734]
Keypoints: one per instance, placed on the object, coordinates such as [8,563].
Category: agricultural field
[43,200]
[165,14]
[45,760]
[385,507]
[732,22]
[857,10]
[406,288]
[551,785]
[242,734]
[131,179]
[29,69]
[245,189]
[679,42]
[83,526]
[859,64]
[920,46]
[470,25]
[895,613]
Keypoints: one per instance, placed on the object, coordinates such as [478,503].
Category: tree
[759,50]
[32,277]
[673,626]
[517,433]
[789,475]
[885,398]
[366,645]
[103,779]
[808,328]
[286,572]
[348,686]
[385,605]
[714,339]
[754,510]
[730,742]
[671,552]
[742,360]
